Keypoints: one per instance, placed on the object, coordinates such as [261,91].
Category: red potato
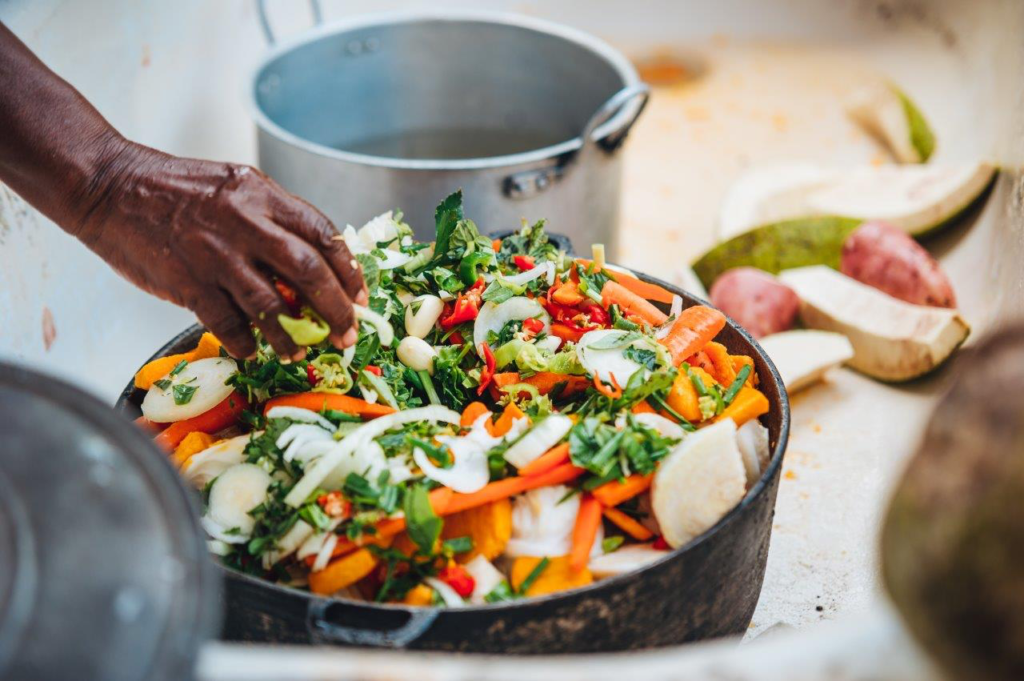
[756,300]
[888,259]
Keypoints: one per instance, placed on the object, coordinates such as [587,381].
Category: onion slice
[382,326]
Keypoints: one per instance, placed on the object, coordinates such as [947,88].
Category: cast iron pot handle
[323,630]
[268,32]
[532,182]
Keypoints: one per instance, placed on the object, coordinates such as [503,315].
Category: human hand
[209,236]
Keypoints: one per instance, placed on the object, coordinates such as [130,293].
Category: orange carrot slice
[322,401]
[615,492]
[588,520]
[472,412]
[615,293]
[508,487]
[658,294]
[696,327]
[555,456]
[627,524]
[507,418]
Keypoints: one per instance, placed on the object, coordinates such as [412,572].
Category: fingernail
[363,298]
[338,341]
[285,360]
[349,338]
[299,355]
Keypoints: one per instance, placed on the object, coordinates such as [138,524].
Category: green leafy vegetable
[183,393]
[422,524]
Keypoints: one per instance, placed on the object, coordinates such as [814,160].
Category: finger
[313,226]
[225,321]
[302,265]
[262,304]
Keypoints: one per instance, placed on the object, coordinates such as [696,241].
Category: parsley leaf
[163,383]
[183,393]
[178,367]
[422,524]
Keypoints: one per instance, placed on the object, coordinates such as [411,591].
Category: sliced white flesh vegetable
[884,112]
[234,493]
[299,414]
[605,363]
[469,471]
[450,597]
[752,441]
[537,272]
[486,577]
[700,481]
[367,459]
[206,376]
[392,259]
[665,427]
[360,436]
[325,554]
[298,436]
[365,239]
[493,317]
[623,560]
[915,198]
[218,547]
[203,467]
[549,343]
[292,540]
[382,326]
[542,522]
[417,354]
[803,356]
[768,194]
[892,340]
[538,440]
[427,311]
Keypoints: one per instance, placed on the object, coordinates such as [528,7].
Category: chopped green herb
[179,367]
[610,544]
[534,575]
[183,393]
[422,524]
[163,383]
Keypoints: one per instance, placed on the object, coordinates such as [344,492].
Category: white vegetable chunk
[203,467]
[538,440]
[752,441]
[416,354]
[381,325]
[804,356]
[602,356]
[485,576]
[493,317]
[542,522]
[235,492]
[700,481]
[623,560]
[300,414]
[469,471]
[207,377]
[421,315]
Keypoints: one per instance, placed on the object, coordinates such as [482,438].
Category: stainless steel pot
[400,110]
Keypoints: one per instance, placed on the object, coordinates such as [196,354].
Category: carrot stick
[695,328]
[614,392]
[147,425]
[555,456]
[643,407]
[627,524]
[508,487]
[748,404]
[615,492]
[588,520]
[322,401]
[649,291]
[615,293]
[472,412]
[218,418]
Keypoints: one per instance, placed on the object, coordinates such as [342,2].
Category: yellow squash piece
[489,526]
[557,576]
[192,444]
[419,595]
[748,404]
[343,572]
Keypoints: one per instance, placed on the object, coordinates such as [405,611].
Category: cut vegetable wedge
[196,387]
[803,356]
[892,340]
[770,193]
[700,481]
[885,112]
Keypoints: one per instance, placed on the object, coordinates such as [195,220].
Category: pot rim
[756,491]
[602,49]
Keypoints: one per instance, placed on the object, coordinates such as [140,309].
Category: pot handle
[379,627]
[529,183]
[268,32]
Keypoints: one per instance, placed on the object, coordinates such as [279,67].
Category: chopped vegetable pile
[511,422]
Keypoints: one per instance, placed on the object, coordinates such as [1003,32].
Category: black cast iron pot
[703,590]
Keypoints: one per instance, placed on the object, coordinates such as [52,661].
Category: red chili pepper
[375,370]
[466,308]
[456,338]
[487,374]
[597,314]
[531,327]
[311,375]
[334,504]
[459,579]
[524,262]
[660,544]
[288,294]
